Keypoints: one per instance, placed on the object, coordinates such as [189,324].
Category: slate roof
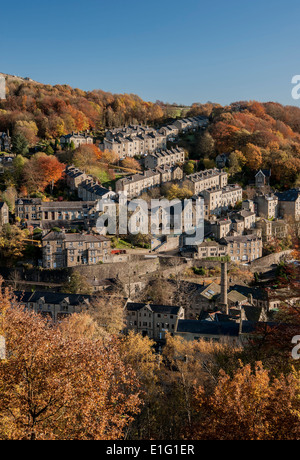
[163,309]
[74,237]
[51,297]
[215,328]
[289,195]
[266,172]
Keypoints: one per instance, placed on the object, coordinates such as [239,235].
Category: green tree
[189,167]
[77,284]
[20,144]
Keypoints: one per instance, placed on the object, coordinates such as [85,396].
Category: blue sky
[175,51]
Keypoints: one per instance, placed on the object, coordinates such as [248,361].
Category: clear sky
[175,51]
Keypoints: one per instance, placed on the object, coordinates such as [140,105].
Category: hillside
[47,112]
[253,135]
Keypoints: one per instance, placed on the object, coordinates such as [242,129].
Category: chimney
[224,287]
[241,322]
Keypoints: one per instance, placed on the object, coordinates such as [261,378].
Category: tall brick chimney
[224,287]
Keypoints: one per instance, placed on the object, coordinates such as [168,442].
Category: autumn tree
[236,162]
[86,156]
[249,406]
[12,244]
[139,353]
[131,163]
[41,171]
[59,387]
[108,312]
[253,155]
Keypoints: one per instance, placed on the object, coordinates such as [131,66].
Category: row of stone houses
[184,125]
[240,249]
[53,304]
[220,198]
[77,139]
[134,140]
[137,184]
[205,180]
[165,157]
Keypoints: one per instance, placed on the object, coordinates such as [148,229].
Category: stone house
[77,138]
[89,190]
[137,184]
[61,250]
[205,180]
[243,248]
[74,177]
[165,157]
[289,204]
[53,304]
[5,142]
[153,321]
[277,228]
[262,178]
[267,206]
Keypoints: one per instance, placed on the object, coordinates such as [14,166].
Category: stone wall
[267,261]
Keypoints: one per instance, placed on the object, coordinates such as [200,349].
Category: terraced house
[165,157]
[205,180]
[136,184]
[45,215]
[134,140]
[218,199]
[77,139]
[53,304]
[61,250]
[153,321]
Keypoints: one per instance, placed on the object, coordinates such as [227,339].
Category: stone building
[220,199]
[277,228]
[63,214]
[165,157]
[262,178]
[89,190]
[53,304]
[205,180]
[243,248]
[170,131]
[207,249]
[74,177]
[152,321]
[78,139]
[289,204]
[137,184]
[267,206]
[169,173]
[134,140]
[61,250]
[5,142]
[28,209]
